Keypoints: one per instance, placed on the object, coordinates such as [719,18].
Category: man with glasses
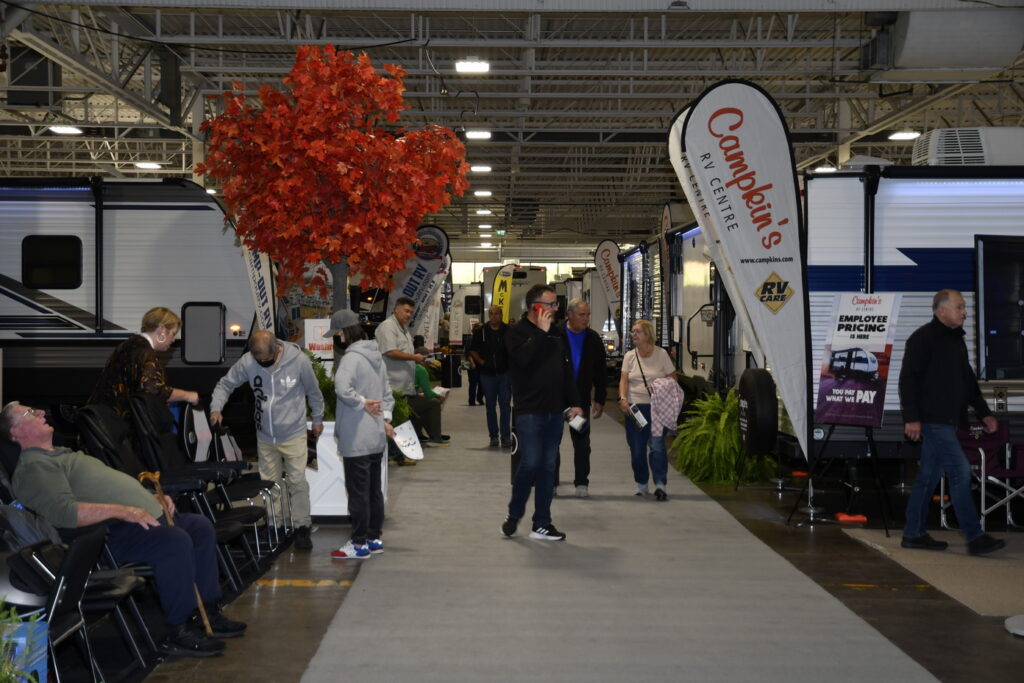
[70,489]
[542,389]
[282,381]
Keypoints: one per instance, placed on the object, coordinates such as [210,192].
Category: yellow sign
[501,292]
[774,292]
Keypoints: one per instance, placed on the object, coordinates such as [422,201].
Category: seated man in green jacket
[71,489]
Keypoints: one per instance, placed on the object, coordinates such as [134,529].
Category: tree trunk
[339,284]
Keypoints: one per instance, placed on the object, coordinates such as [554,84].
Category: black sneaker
[660,495]
[506,443]
[493,443]
[508,527]
[221,626]
[925,542]
[184,641]
[302,539]
[985,544]
[547,532]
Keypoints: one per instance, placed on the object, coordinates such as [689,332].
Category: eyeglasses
[28,411]
[549,304]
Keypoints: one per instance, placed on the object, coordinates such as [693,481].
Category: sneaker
[985,544]
[406,462]
[375,545]
[547,532]
[351,551]
[221,626]
[582,492]
[660,495]
[641,490]
[925,542]
[508,527]
[185,641]
[302,539]
[506,443]
[436,443]
[494,442]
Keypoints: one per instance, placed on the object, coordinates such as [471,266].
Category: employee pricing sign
[737,170]
[855,362]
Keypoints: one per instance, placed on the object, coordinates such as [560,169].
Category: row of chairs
[997,464]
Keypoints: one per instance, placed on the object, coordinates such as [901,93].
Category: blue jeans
[639,440]
[497,391]
[539,434]
[941,452]
[476,392]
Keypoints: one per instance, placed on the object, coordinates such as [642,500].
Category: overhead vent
[970,147]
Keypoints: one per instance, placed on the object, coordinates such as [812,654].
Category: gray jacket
[281,392]
[361,375]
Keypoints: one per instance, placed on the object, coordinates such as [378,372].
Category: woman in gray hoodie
[362,427]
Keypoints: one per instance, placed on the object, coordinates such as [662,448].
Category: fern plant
[326,383]
[708,444]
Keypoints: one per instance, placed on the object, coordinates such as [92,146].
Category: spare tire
[759,411]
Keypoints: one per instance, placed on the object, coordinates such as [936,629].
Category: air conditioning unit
[970,147]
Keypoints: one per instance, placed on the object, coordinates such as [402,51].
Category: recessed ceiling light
[483,212]
[482,193]
[905,134]
[480,169]
[485,245]
[147,165]
[825,168]
[484,226]
[472,65]
[65,130]
[478,135]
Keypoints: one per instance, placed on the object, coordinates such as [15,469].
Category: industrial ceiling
[578,98]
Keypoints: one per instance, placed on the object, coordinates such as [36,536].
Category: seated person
[71,489]
[419,345]
[426,405]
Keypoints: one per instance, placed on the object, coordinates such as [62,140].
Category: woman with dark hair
[361,429]
[134,366]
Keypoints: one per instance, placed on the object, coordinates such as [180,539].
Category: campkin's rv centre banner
[743,182]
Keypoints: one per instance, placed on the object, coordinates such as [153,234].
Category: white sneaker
[582,492]
[351,551]
[641,490]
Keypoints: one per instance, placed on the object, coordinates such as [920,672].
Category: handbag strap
[642,374]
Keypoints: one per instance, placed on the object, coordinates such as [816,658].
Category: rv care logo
[774,292]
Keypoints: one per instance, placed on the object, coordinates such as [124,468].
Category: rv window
[51,262]
[473,305]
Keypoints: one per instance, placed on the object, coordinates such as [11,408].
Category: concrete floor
[291,608]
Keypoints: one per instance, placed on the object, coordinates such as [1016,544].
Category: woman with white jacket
[361,428]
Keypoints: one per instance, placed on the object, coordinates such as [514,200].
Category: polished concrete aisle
[639,591]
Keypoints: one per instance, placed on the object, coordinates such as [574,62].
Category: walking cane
[155,478]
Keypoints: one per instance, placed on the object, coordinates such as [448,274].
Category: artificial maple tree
[320,172]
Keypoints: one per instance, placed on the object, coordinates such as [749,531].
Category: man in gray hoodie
[282,381]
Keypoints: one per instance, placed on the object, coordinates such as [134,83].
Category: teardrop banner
[417,279]
[501,291]
[743,179]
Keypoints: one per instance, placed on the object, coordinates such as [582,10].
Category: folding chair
[989,456]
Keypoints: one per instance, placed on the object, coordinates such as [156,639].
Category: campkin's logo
[774,292]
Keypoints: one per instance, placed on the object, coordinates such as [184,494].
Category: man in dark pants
[937,384]
[71,489]
[588,364]
[542,390]
[491,358]
[476,387]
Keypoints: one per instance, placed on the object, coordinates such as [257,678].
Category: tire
[759,411]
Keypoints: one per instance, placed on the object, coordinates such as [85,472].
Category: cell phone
[537,309]
[638,416]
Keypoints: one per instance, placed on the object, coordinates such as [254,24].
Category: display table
[327,495]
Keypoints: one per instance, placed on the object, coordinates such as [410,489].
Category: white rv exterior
[467,306]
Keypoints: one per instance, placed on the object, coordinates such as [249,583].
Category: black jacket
[937,382]
[540,368]
[490,344]
[593,372]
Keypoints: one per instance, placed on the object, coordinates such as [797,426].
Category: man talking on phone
[543,389]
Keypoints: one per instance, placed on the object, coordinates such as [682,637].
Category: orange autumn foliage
[311,174]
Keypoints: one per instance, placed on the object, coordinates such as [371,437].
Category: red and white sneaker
[351,551]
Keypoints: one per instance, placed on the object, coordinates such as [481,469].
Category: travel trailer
[81,260]
[467,306]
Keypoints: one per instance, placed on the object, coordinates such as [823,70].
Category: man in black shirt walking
[937,384]
[491,358]
[542,389]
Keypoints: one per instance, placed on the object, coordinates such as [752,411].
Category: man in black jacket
[490,356]
[937,384]
[586,351]
[542,389]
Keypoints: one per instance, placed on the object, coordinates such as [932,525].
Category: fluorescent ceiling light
[65,130]
[210,190]
[825,168]
[485,245]
[472,65]
[480,169]
[482,193]
[485,234]
[478,135]
[484,226]
[483,212]
[905,134]
[147,165]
